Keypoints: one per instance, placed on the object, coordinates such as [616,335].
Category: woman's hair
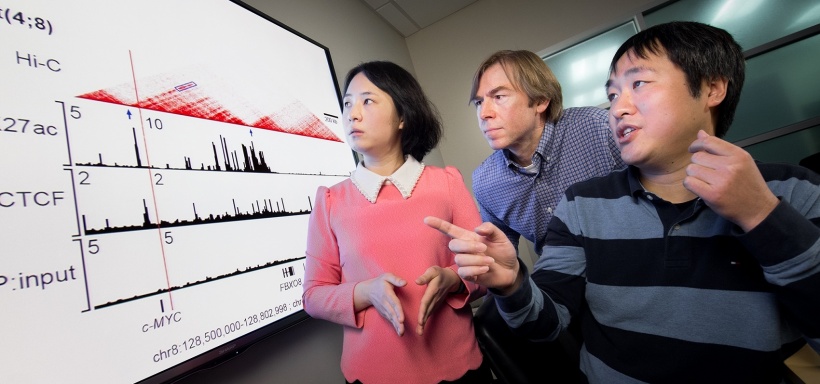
[702,52]
[529,74]
[422,124]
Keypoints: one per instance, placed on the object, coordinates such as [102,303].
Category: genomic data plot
[157,182]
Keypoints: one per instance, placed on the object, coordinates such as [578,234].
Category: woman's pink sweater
[351,239]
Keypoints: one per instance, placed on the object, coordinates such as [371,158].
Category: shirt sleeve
[325,295]
[488,216]
[787,245]
[546,301]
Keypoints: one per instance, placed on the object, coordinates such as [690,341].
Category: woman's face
[370,119]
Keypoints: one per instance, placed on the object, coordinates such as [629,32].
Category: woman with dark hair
[367,239]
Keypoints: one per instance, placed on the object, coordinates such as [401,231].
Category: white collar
[405,178]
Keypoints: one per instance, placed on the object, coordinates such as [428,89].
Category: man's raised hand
[484,256]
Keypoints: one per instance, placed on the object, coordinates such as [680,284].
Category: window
[582,69]
[778,115]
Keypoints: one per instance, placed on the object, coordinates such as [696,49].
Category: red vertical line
[151,182]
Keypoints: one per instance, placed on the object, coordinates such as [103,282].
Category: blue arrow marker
[129,114]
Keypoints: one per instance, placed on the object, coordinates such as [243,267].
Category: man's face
[653,116]
[504,115]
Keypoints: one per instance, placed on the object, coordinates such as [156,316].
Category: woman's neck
[384,165]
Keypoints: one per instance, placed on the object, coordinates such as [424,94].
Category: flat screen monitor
[159,162]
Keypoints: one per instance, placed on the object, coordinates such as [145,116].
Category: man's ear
[542,105]
[717,91]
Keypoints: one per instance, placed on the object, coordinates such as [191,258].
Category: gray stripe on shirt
[617,219]
[743,319]
[794,269]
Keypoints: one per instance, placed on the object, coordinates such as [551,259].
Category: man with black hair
[696,264]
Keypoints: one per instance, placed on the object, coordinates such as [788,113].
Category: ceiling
[410,16]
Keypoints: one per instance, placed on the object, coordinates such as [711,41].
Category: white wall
[348,28]
[443,57]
